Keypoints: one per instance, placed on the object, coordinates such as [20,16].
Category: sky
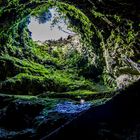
[43,32]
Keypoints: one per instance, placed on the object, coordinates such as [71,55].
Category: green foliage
[32,78]
[107,42]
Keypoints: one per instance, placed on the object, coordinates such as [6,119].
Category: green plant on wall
[106,45]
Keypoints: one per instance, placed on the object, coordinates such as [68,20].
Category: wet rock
[117,119]
[19,114]
[51,123]
[5,100]
[13,135]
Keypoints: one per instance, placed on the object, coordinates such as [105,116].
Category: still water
[70,107]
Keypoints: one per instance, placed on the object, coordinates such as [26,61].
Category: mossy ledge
[110,42]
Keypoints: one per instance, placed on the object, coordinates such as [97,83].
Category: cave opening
[49,25]
[60,58]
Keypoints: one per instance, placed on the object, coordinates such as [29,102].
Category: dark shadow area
[118,119]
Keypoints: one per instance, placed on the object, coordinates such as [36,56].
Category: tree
[44,17]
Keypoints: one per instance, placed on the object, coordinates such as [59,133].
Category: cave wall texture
[110,35]
[110,27]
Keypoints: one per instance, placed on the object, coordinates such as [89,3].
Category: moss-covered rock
[108,43]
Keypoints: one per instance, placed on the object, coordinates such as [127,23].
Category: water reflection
[70,107]
[49,26]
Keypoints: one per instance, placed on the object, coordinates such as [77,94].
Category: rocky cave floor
[29,117]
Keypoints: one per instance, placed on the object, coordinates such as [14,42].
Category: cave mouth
[55,55]
[45,86]
[49,25]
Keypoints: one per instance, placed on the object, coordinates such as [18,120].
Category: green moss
[81,92]
[108,42]
[37,68]
[35,78]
